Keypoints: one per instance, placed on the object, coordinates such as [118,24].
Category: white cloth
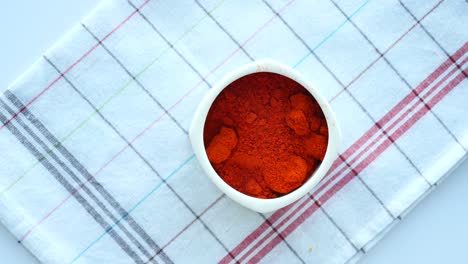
[96,166]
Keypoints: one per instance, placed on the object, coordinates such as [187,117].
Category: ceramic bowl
[198,123]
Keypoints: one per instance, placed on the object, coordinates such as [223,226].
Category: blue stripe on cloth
[323,41]
[173,173]
[331,33]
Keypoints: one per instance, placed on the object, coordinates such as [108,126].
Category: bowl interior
[196,137]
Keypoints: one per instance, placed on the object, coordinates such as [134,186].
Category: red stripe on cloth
[433,76]
[366,162]
[256,233]
[185,228]
[392,125]
[154,122]
[289,229]
[411,96]
[234,52]
[385,52]
[423,85]
[86,54]
[272,232]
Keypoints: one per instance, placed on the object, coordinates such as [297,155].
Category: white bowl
[198,123]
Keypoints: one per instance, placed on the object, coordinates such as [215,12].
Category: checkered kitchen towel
[96,166]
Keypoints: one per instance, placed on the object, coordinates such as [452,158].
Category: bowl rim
[198,123]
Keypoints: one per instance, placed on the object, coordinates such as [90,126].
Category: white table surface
[436,231]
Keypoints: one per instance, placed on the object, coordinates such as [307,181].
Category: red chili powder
[265,135]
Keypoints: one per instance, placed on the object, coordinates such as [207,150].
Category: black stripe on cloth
[432,37]
[224,30]
[150,95]
[209,85]
[179,197]
[195,70]
[80,168]
[61,179]
[360,106]
[403,79]
[446,54]
[251,58]
[331,73]
[119,208]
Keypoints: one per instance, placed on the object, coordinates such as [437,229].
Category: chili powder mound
[265,135]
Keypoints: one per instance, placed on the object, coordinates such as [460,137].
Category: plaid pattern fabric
[96,165]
